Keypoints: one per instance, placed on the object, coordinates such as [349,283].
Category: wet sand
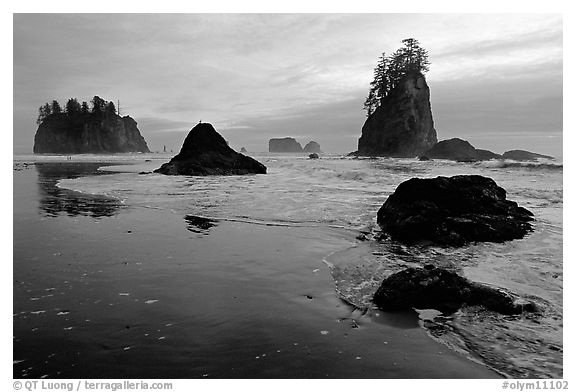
[103,289]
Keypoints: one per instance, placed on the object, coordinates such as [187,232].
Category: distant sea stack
[205,152]
[287,144]
[521,155]
[80,130]
[312,147]
[402,126]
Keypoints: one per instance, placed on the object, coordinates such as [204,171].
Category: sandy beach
[104,289]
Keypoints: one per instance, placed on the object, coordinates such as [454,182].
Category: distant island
[80,129]
[289,144]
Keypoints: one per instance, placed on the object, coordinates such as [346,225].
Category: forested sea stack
[78,129]
[205,152]
[399,122]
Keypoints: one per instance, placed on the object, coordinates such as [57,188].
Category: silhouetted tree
[84,109]
[390,71]
[371,103]
[379,87]
[98,105]
[73,107]
[43,112]
[110,108]
[416,57]
[56,108]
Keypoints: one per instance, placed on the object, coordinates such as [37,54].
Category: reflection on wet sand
[54,200]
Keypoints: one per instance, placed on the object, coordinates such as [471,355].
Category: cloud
[155,125]
[542,39]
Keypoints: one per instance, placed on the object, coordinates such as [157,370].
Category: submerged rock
[402,126]
[452,211]
[312,147]
[443,290]
[287,144]
[205,152]
[521,155]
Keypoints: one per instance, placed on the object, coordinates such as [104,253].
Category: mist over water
[343,194]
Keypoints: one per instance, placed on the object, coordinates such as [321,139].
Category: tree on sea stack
[56,109]
[84,109]
[110,108]
[98,105]
[73,107]
[43,112]
[390,70]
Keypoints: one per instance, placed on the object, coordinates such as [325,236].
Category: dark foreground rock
[521,155]
[459,150]
[205,152]
[402,126]
[443,290]
[312,147]
[313,156]
[452,211]
[287,144]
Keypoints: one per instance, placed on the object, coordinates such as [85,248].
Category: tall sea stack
[402,126]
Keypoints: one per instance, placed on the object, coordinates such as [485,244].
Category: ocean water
[342,195]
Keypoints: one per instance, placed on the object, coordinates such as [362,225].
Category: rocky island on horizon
[78,129]
[289,144]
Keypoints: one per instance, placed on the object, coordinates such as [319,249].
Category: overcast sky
[495,80]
